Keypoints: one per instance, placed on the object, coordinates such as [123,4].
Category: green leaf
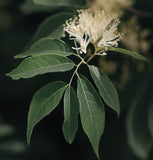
[46,45]
[91,111]
[139,137]
[72,3]
[41,64]
[43,102]
[30,7]
[124,51]
[71,111]
[150,118]
[106,88]
[52,27]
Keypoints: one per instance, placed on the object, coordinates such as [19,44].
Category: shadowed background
[19,20]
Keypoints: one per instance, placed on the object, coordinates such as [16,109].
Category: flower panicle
[96,28]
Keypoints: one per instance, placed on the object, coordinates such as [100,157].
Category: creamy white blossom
[96,28]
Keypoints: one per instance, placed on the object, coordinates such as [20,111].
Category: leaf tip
[16,56]
[9,75]
[97,154]
[28,142]
[118,115]
[69,141]
[29,132]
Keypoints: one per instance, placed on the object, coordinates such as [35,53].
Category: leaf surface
[71,111]
[131,53]
[52,27]
[150,117]
[47,45]
[41,64]
[105,88]
[43,102]
[91,111]
[139,137]
[29,7]
[72,3]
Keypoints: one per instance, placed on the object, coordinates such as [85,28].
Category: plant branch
[77,66]
[77,55]
[91,57]
[75,72]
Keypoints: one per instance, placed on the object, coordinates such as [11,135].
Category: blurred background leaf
[70,3]
[139,137]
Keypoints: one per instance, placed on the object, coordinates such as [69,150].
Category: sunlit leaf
[106,88]
[43,102]
[131,53]
[46,45]
[41,64]
[91,111]
[71,111]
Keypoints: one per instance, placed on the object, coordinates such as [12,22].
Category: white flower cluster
[96,28]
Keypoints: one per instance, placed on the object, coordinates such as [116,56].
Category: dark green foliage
[48,53]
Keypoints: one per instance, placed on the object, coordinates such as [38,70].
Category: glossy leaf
[46,45]
[71,111]
[131,53]
[105,88]
[52,27]
[43,102]
[41,64]
[91,111]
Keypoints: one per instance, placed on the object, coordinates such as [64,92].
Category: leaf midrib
[108,96]
[48,100]
[69,102]
[45,52]
[41,69]
[105,90]
[87,103]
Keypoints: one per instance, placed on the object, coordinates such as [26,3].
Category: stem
[91,57]
[75,43]
[77,55]
[75,72]
[77,66]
